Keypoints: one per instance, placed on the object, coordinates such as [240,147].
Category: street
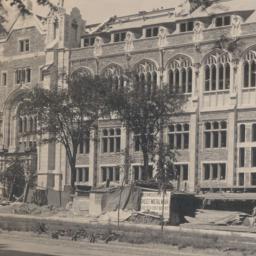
[27,244]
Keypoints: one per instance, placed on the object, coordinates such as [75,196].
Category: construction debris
[219,218]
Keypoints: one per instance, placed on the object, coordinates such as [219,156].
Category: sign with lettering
[152,202]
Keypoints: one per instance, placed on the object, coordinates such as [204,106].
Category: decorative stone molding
[112,70]
[183,9]
[162,37]
[128,47]
[98,47]
[198,32]
[236,22]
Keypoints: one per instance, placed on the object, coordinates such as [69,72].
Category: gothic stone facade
[209,54]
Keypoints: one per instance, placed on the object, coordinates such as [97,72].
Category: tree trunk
[26,192]
[73,178]
[145,174]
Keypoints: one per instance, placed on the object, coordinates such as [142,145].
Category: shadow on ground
[17,253]
[6,252]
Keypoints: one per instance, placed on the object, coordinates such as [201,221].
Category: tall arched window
[25,124]
[55,28]
[31,124]
[81,73]
[217,72]
[249,69]
[246,74]
[180,74]
[20,125]
[147,73]
[115,74]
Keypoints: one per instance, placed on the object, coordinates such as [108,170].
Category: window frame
[180,136]
[210,171]
[186,25]
[4,78]
[111,143]
[218,133]
[153,31]
[24,45]
[223,21]
[109,172]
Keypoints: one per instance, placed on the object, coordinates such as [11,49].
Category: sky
[94,11]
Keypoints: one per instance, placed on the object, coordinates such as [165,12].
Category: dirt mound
[29,209]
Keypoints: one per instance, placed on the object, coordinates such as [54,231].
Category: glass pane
[246,74]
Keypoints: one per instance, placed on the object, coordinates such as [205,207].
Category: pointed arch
[217,70]
[146,71]
[82,72]
[115,73]
[145,65]
[180,75]
[216,55]
[179,60]
[249,66]
[112,70]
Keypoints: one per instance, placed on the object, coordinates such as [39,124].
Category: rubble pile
[220,218]
[145,218]
[29,209]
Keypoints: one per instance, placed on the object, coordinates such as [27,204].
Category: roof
[229,196]
[167,15]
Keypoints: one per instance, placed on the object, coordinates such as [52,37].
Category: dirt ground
[28,244]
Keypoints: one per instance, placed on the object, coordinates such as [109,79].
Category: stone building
[208,52]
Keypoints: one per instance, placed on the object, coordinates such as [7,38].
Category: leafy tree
[165,171]
[24,9]
[67,116]
[17,177]
[145,109]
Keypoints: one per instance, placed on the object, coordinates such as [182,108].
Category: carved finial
[61,3]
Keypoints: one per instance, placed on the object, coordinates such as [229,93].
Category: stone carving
[98,46]
[162,37]
[198,32]
[129,42]
[183,9]
[236,26]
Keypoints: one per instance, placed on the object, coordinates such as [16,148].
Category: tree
[24,9]
[165,171]
[67,116]
[144,109]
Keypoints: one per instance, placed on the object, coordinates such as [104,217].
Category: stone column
[93,177]
[193,151]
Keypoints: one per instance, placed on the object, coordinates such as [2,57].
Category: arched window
[20,125]
[190,81]
[183,80]
[171,80]
[249,69]
[55,28]
[253,73]
[214,77]
[177,80]
[147,73]
[207,78]
[180,74]
[217,72]
[31,125]
[246,74]
[25,124]
[114,73]
[221,76]
[227,76]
